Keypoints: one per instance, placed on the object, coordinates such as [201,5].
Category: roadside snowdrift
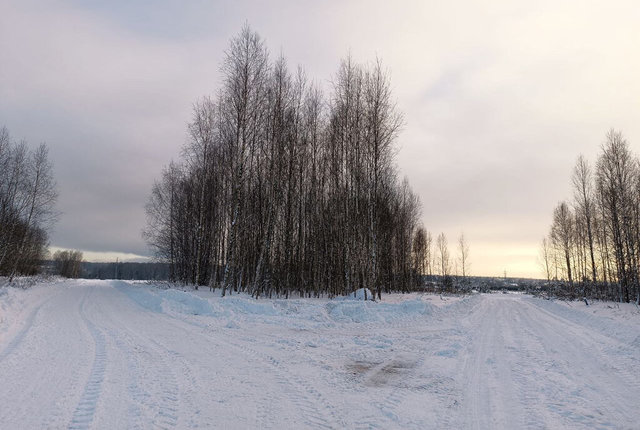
[297,312]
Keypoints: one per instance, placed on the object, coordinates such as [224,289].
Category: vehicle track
[263,411]
[152,382]
[86,408]
[19,337]
[584,376]
[298,392]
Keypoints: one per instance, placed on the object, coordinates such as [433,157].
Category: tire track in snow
[168,412]
[555,395]
[185,366]
[26,384]
[489,391]
[603,341]
[85,410]
[299,392]
[60,417]
[375,332]
[332,416]
[138,389]
[19,337]
[188,380]
[525,358]
[621,358]
[263,417]
[442,342]
[587,375]
[303,397]
[475,375]
[263,408]
[393,372]
[390,404]
[442,387]
[157,391]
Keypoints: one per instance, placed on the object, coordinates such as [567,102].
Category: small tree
[443,255]
[421,245]
[443,261]
[546,258]
[68,263]
[463,249]
[562,236]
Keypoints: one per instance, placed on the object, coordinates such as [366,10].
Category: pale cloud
[104,257]
[499,99]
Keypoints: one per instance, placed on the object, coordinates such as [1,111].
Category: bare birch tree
[463,255]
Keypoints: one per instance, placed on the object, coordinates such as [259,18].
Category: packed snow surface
[116,355]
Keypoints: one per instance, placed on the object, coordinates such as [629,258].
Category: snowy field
[116,355]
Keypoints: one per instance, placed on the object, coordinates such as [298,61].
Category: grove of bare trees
[27,198]
[594,243]
[68,263]
[283,189]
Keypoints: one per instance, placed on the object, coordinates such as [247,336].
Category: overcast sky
[499,99]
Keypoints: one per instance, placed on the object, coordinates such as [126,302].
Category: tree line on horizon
[593,245]
[27,206]
[282,188]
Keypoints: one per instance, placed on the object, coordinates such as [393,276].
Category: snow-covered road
[113,355]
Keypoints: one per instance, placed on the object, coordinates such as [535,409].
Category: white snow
[361,294]
[112,354]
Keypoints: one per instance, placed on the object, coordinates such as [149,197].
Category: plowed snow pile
[110,354]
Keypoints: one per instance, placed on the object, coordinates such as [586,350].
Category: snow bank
[143,296]
[359,312]
[170,300]
[295,313]
[186,303]
[247,305]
